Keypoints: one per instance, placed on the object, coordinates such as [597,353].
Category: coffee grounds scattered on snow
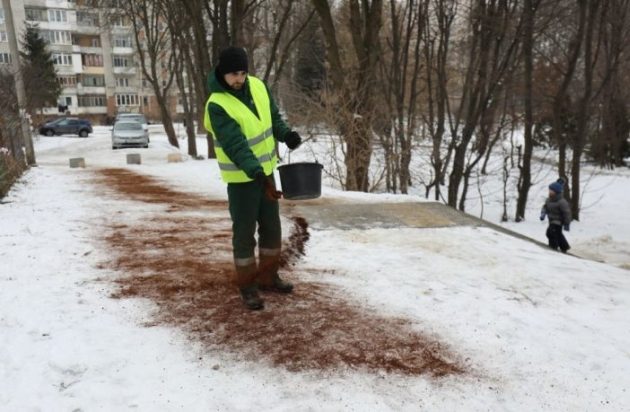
[181,259]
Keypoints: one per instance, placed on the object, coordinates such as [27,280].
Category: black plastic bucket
[301,181]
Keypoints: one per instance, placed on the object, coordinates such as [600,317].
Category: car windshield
[136,118]
[128,126]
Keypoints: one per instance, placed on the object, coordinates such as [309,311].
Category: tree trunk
[584,111]
[525,177]
[357,100]
[167,121]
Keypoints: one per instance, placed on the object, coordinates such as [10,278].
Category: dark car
[67,125]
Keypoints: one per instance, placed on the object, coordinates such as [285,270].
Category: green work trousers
[250,208]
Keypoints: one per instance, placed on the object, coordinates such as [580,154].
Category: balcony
[87,29]
[64,70]
[87,50]
[125,70]
[123,50]
[82,90]
[53,25]
[93,70]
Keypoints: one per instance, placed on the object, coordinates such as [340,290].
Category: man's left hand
[270,190]
[293,140]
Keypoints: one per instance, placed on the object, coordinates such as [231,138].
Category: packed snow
[536,329]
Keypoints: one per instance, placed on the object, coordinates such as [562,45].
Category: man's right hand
[268,185]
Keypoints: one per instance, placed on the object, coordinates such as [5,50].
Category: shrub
[10,170]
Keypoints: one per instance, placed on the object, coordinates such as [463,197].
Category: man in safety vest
[245,124]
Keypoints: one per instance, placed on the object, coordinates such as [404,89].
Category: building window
[122,41]
[120,21]
[92,101]
[3,36]
[86,18]
[36,14]
[96,42]
[145,99]
[58,16]
[5,58]
[56,36]
[62,59]
[121,61]
[67,81]
[122,81]
[1,16]
[93,81]
[92,60]
[127,100]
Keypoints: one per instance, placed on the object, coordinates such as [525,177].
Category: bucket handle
[289,150]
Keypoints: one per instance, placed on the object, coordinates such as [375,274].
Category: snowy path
[537,330]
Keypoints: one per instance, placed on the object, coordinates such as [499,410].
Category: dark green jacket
[228,132]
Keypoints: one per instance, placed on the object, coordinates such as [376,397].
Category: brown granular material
[182,261]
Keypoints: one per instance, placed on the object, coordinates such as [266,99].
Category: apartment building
[94,56]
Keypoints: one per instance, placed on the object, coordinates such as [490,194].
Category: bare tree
[439,15]
[280,34]
[401,83]
[592,9]
[493,45]
[354,94]
[608,142]
[179,30]
[155,52]
[530,8]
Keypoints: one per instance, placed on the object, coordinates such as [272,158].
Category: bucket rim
[301,163]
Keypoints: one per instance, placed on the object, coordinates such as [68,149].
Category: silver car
[129,133]
[137,117]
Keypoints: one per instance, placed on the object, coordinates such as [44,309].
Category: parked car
[66,125]
[136,117]
[129,133]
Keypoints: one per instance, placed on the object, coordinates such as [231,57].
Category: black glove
[567,227]
[268,185]
[293,140]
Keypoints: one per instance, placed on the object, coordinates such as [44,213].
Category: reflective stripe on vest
[232,167]
[257,131]
[254,140]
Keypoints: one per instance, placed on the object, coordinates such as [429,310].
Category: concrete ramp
[326,213]
[381,215]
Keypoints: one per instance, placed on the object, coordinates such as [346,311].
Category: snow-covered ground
[602,234]
[536,330]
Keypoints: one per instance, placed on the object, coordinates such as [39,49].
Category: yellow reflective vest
[257,131]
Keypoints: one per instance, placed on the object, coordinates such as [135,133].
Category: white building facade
[96,63]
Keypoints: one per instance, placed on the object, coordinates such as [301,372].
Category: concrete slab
[77,162]
[379,215]
[325,214]
[134,159]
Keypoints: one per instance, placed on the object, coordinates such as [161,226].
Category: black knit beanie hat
[233,59]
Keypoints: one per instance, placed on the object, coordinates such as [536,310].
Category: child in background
[557,209]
